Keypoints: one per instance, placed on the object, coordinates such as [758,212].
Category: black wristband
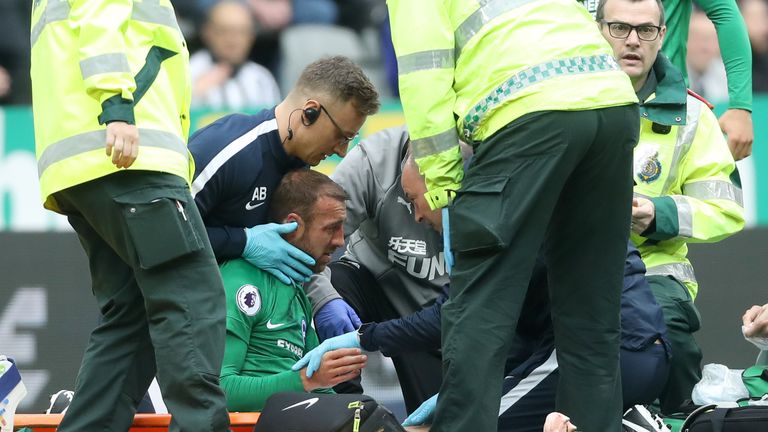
[117,109]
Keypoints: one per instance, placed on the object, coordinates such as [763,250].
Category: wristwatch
[363,328]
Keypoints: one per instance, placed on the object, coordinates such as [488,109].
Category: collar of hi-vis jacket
[667,104]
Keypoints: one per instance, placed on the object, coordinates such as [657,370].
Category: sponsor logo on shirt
[258,198]
[293,348]
[401,200]
[408,246]
[274,326]
[410,254]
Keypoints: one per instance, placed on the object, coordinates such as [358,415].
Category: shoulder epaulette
[701,98]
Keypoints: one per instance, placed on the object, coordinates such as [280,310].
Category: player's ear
[293,217]
[662,34]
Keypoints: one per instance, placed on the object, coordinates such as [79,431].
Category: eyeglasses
[344,138]
[622,30]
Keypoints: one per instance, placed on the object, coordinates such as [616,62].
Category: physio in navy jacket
[240,159]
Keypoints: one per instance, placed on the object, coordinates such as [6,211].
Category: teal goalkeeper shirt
[269,328]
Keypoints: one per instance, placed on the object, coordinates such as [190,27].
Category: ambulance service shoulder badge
[649,169]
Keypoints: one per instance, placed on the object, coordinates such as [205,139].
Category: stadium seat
[302,44]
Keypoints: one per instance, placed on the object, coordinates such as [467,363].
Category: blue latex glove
[447,254]
[267,250]
[313,358]
[423,413]
[335,318]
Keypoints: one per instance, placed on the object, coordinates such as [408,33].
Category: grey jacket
[405,257]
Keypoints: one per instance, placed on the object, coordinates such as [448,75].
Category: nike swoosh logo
[274,326]
[308,403]
[249,206]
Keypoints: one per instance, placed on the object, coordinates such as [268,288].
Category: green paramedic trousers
[682,319]
[559,182]
[161,299]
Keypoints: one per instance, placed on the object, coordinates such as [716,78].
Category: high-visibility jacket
[97,61]
[489,62]
[683,164]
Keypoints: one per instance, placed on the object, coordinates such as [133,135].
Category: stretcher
[240,422]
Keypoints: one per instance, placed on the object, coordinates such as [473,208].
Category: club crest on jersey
[647,165]
[248,300]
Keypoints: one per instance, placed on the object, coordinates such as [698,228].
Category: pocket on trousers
[159,225]
[477,217]
[686,306]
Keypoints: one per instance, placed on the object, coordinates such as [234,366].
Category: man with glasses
[736,121]
[686,180]
[240,159]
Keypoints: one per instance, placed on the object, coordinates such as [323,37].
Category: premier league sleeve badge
[248,300]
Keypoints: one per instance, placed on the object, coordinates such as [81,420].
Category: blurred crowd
[238,46]
[247,53]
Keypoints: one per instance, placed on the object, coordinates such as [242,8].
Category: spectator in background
[222,74]
[270,15]
[315,12]
[756,17]
[273,16]
[706,71]
[361,14]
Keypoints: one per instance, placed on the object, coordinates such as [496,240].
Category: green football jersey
[733,38]
[269,328]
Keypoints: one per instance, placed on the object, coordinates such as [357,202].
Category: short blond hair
[341,79]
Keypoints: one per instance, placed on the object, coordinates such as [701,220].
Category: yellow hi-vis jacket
[683,165]
[490,62]
[97,61]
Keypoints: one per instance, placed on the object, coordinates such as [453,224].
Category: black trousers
[161,299]
[419,373]
[559,182]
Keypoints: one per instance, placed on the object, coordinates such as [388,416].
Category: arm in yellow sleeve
[710,207]
[102,53]
[426,74]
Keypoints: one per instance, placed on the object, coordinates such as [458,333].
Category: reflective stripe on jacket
[94,62]
[683,164]
[490,62]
